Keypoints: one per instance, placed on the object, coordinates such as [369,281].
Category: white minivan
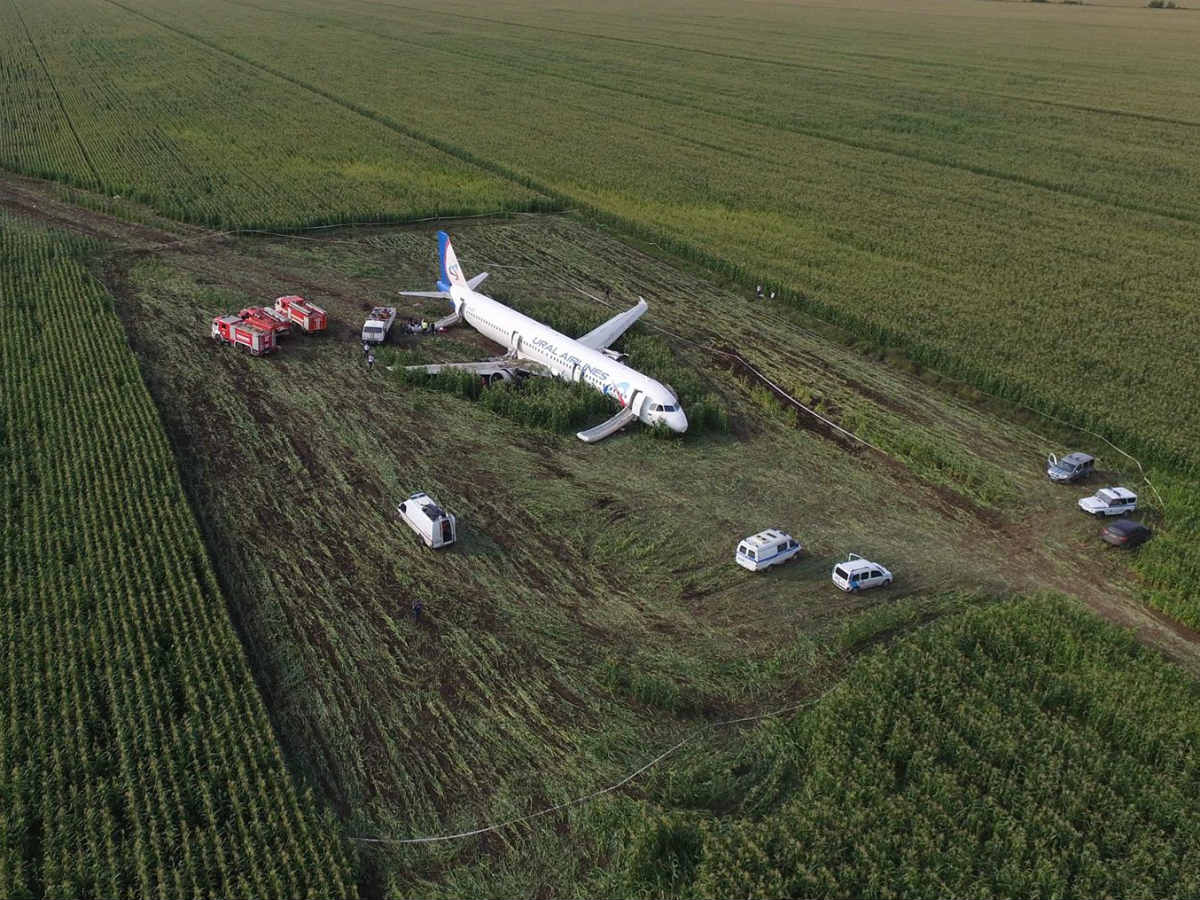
[858,574]
[436,527]
[765,549]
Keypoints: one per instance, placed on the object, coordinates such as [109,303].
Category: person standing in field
[370,359]
[417,606]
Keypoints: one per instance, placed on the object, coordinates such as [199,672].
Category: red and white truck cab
[235,330]
[266,318]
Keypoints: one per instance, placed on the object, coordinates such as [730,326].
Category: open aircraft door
[515,343]
[576,372]
[637,402]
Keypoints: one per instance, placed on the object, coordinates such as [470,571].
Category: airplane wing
[437,295]
[501,365]
[601,337]
[473,283]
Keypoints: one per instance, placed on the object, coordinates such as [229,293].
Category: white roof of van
[853,565]
[770,536]
[1117,493]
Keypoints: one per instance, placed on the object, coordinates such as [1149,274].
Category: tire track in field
[812,133]
[54,87]
[790,64]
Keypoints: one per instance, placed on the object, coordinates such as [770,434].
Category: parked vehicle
[1125,533]
[379,323]
[765,549]
[858,574]
[268,319]
[436,527]
[234,330]
[1110,501]
[1072,467]
[308,316]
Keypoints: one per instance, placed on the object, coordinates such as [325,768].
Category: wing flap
[602,336]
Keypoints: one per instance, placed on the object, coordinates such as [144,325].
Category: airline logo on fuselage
[597,377]
[619,391]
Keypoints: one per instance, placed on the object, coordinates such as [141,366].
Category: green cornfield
[1025,750]
[136,757]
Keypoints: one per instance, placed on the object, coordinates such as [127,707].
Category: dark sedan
[1125,533]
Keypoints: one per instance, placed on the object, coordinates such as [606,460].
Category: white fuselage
[566,358]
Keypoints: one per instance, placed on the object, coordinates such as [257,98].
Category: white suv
[858,574]
[765,549]
[1112,501]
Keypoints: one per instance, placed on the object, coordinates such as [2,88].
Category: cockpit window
[669,408]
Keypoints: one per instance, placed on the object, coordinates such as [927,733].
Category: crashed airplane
[537,349]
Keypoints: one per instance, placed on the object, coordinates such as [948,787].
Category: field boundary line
[294,233]
[57,96]
[576,801]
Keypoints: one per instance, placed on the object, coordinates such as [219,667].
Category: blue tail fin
[451,272]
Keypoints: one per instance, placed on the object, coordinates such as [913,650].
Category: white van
[436,527]
[765,549]
[858,574]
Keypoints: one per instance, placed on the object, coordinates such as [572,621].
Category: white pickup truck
[379,323]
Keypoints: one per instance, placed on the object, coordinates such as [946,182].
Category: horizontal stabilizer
[476,281]
[437,295]
[604,429]
[599,338]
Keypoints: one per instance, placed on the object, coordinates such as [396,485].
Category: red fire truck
[308,316]
[268,319]
[233,330]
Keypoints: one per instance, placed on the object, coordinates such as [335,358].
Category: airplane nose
[677,422]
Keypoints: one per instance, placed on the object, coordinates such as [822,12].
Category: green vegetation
[1026,749]
[1170,563]
[93,95]
[946,184]
[136,757]
[591,615]
[927,180]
